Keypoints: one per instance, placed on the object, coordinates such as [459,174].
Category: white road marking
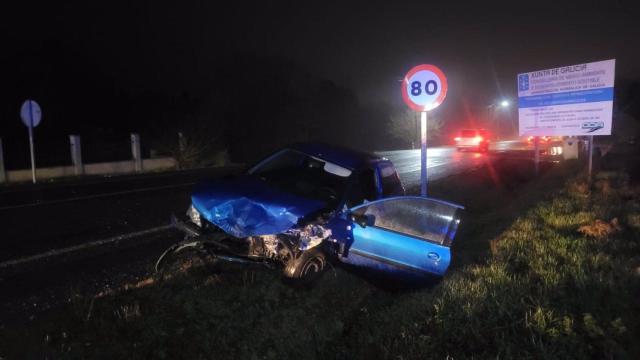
[57,252]
[96,196]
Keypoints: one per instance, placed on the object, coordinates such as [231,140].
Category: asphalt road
[36,219]
[441,162]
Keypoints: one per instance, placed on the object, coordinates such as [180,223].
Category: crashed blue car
[311,203]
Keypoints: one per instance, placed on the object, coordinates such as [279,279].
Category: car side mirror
[363,220]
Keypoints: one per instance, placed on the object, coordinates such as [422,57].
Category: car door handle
[433,256]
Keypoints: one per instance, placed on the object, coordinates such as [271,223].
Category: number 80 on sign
[424,87]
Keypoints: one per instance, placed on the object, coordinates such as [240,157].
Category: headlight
[194,216]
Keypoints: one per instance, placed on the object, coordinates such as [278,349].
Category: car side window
[363,188]
[422,218]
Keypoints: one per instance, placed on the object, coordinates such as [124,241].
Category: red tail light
[477,139]
[542,139]
[456,139]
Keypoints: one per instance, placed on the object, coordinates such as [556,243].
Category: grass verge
[541,270]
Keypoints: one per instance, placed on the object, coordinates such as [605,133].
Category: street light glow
[504,103]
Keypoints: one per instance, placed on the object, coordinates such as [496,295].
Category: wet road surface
[441,162]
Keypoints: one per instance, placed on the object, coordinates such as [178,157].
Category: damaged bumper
[210,243]
[279,247]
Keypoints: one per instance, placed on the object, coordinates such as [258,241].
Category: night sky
[82,57]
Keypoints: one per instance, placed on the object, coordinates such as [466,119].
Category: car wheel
[306,268]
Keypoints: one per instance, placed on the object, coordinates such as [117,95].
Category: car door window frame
[451,228]
[355,182]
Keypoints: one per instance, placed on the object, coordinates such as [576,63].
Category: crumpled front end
[248,207]
[289,244]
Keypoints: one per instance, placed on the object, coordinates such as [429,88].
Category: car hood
[247,206]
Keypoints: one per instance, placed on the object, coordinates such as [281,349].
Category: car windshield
[304,175]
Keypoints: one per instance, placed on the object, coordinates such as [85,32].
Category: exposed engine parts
[270,246]
[309,236]
[286,245]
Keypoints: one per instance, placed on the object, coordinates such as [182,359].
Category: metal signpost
[3,175]
[424,88]
[575,100]
[31,114]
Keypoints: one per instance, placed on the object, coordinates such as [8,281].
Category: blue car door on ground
[404,234]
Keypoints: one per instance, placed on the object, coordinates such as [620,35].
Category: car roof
[338,155]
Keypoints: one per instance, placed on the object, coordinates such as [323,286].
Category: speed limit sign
[424,87]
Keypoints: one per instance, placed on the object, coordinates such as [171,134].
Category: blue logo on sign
[523,82]
[592,126]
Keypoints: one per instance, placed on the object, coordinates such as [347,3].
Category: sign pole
[31,147]
[590,155]
[3,175]
[31,114]
[423,153]
[536,154]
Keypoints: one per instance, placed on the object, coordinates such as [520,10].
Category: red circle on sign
[443,85]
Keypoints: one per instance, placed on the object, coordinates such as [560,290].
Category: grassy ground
[544,268]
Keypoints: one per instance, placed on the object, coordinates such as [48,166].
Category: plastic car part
[182,258]
[190,256]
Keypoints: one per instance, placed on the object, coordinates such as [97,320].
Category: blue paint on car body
[248,206]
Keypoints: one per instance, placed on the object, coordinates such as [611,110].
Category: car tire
[306,268]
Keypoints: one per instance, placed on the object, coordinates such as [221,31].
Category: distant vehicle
[549,145]
[473,139]
[545,139]
[309,203]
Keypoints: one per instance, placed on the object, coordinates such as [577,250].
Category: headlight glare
[194,216]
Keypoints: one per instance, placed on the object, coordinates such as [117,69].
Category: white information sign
[570,100]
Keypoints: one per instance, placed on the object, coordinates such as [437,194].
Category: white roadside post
[590,155]
[135,152]
[3,174]
[76,154]
[31,114]
[536,154]
[423,89]
[575,100]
